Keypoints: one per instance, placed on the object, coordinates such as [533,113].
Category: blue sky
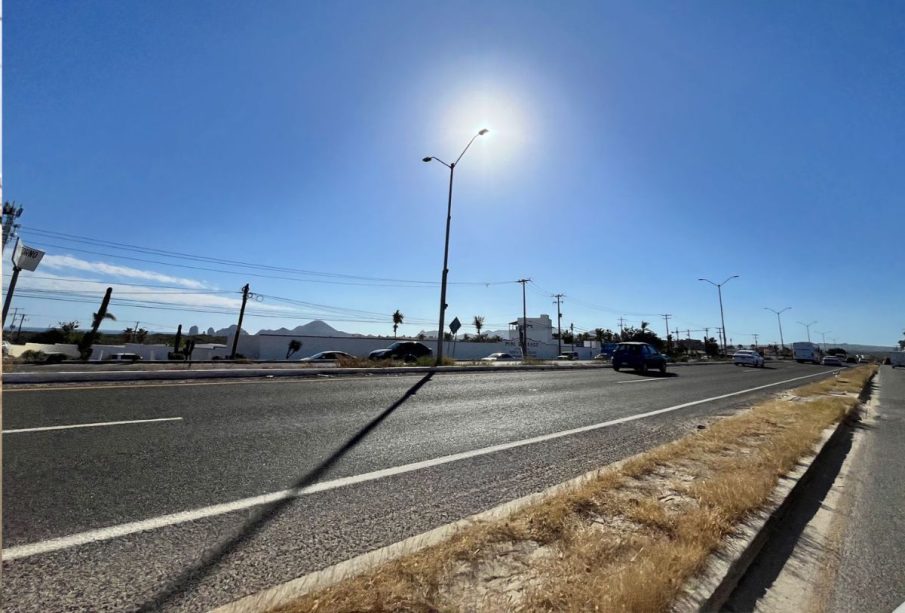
[634,148]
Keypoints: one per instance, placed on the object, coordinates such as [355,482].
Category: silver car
[746,357]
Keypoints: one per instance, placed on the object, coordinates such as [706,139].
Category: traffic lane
[325,528]
[36,407]
[871,573]
[58,483]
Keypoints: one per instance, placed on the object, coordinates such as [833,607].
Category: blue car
[639,356]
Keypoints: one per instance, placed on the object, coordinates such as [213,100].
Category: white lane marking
[91,425]
[111,532]
[641,381]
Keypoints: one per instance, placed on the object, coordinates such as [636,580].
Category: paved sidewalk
[871,572]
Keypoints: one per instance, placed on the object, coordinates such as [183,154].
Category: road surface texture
[193,445]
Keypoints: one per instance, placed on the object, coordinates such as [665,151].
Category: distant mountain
[312,328]
[228,331]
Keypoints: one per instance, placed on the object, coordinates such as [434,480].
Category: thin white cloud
[139,292]
[102,268]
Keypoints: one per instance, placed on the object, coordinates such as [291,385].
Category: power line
[382,281]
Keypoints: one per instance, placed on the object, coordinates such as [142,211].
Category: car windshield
[308,227]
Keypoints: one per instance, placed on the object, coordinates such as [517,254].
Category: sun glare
[502,114]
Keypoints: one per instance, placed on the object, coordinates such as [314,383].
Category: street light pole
[452,168]
[779,321]
[719,289]
[808,327]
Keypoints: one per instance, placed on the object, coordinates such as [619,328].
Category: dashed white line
[111,532]
[97,424]
[641,380]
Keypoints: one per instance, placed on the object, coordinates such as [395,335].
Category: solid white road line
[111,532]
[641,380]
[92,425]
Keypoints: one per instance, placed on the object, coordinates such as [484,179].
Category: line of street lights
[445,273]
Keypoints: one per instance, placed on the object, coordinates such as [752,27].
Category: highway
[89,512]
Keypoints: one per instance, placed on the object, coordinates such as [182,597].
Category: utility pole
[755,335]
[134,334]
[621,327]
[524,282]
[666,317]
[232,355]
[15,314]
[21,321]
[11,212]
[559,298]
[572,330]
[9,293]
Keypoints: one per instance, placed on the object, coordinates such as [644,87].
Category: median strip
[92,425]
[628,538]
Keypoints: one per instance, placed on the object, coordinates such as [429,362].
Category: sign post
[24,258]
[454,326]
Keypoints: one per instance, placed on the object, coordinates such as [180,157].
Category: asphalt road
[236,440]
[871,574]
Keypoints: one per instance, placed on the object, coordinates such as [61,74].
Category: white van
[897,358]
[806,352]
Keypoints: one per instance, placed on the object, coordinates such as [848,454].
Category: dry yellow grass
[627,540]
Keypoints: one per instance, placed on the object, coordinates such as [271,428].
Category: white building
[540,329]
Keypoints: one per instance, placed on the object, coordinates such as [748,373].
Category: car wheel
[643,369]
[616,366]
[409,358]
[663,368]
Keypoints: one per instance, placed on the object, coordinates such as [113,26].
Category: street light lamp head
[483,131]
[427,159]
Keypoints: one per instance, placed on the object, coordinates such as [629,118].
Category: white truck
[806,352]
[897,358]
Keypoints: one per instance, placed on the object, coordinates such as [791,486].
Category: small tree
[711,347]
[397,321]
[478,324]
[294,346]
[140,335]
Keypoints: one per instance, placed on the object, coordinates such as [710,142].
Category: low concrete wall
[70,351]
[274,347]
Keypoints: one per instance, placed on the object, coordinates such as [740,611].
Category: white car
[328,356]
[747,357]
[499,357]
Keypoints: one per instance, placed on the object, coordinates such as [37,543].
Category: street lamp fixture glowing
[443,305]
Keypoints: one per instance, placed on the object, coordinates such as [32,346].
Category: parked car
[499,357]
[409,351]
[327,356]
[832,360]
[123,357]
[639,356]
[568,355]
[747,357]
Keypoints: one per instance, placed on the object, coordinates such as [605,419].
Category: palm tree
[478,324]
[397,321]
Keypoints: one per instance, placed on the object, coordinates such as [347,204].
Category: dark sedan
[640,356]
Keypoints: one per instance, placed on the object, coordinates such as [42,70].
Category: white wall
[274,347]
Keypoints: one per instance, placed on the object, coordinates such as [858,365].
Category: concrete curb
[711,590]
[21,378]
